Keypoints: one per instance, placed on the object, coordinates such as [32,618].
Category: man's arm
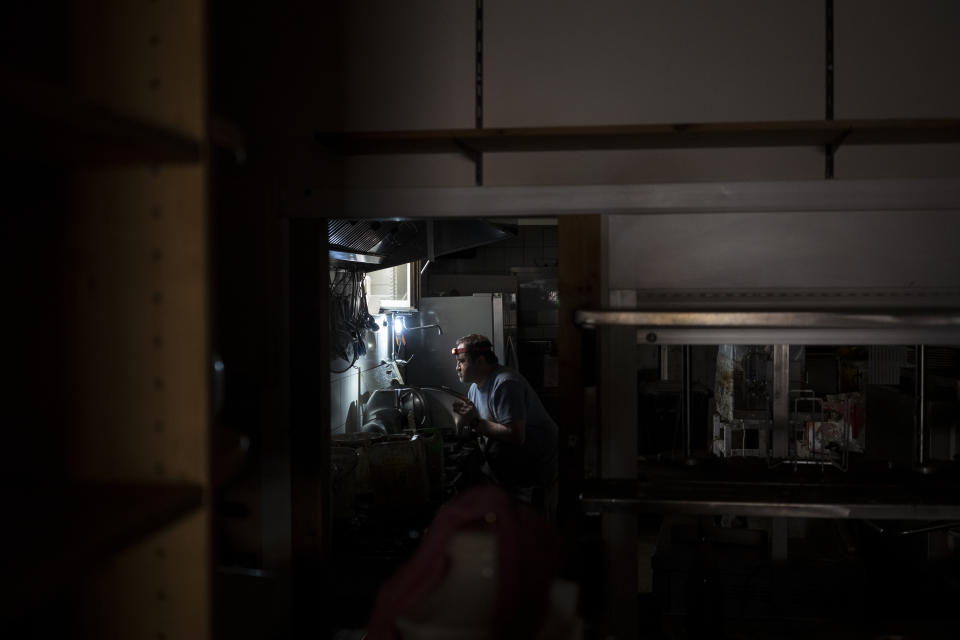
[514,431]
[509,419]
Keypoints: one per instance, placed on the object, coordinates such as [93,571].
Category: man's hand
[466,414]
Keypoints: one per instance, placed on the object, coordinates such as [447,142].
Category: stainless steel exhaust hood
[376,244]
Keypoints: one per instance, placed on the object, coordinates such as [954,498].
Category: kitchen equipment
[481,313]
[361,443]
[398,474]
[343,479]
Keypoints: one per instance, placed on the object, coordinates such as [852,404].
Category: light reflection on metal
[763,319]
[355,257]
[936,526]
[796,500]
[779,327]
[426,326]
[553,201]
[781,400]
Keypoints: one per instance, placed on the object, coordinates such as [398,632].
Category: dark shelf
[53,536]
[878,495]
[48,123]
[657,136]
[225,135]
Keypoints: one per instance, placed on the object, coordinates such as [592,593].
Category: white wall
[897,59]
[564,62]
[809,251]
[571,62]
[408,65]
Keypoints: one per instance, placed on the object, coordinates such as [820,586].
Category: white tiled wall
[533,246]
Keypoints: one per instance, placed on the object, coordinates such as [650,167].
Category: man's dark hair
[477,346]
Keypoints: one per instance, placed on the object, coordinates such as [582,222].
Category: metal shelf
[882,500]
[935,194]
[936,325]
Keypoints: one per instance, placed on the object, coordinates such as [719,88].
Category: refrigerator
[489,314]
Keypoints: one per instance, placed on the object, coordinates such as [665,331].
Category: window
[391,288]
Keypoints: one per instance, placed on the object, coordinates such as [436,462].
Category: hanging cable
[349,319]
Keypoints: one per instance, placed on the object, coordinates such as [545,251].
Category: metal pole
[779,529]
[781,400]
[831,148]
[686,402]
[919,395]
[431,246]
[478,85]
[779,539]
[359,404]
[618,459]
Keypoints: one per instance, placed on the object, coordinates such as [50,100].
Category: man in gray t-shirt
[521,438]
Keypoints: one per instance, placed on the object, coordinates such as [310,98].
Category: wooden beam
[650,136]
[309,416]
[581,285]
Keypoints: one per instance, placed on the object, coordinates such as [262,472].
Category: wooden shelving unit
[819,133]
[108,531]
[63,533]
[44,121]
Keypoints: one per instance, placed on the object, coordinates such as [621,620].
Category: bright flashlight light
[398,325]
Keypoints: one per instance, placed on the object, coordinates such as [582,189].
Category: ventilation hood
[376,244]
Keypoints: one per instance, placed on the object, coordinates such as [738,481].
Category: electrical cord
[349,318]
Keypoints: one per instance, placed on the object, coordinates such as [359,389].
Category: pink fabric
[528,552]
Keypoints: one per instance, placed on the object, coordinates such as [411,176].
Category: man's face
[466,370]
